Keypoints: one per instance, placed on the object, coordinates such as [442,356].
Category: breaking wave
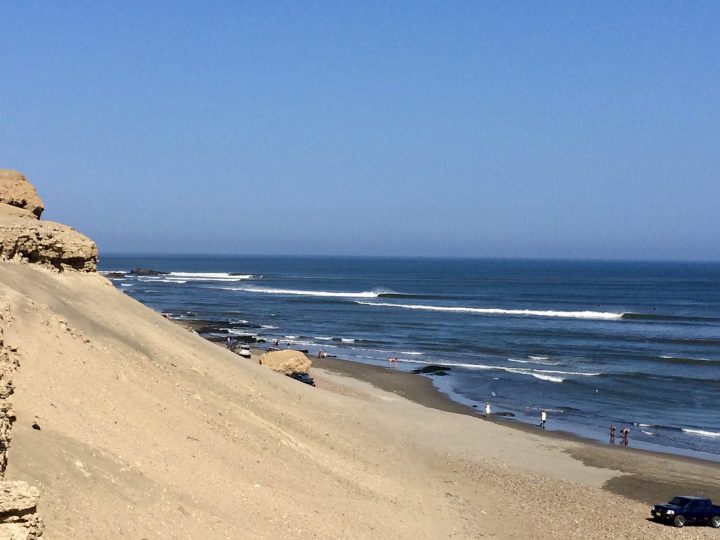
[701,433]
[555,376]
[212,276]
[601,315]
[301,292]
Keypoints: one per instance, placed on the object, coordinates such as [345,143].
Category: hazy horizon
[468,130]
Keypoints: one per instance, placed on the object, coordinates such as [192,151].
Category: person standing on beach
[543,419]
[625,436]
[612,434]
[487,409]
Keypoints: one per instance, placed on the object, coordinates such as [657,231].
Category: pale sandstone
[15,190]
[44,242]
[286,361]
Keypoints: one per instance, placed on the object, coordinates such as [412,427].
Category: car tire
[679,521]
[715,522]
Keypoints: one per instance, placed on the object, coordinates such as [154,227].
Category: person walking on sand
[612,434]
[543,419]
[487,409]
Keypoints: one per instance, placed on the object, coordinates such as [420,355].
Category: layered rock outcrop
[15,190]
[24,238]
[286,361]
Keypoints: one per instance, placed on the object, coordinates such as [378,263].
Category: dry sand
[149,431]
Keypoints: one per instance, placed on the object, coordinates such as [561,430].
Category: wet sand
[649,477]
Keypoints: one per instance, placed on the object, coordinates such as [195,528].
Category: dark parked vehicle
[687,510]
[302,377]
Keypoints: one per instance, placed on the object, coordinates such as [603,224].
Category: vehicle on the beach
[302,377]
[244,351]
[687,510]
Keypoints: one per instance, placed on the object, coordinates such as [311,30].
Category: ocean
[595,344]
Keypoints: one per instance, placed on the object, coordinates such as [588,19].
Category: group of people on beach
[624,435]
[392,361]
[543,415]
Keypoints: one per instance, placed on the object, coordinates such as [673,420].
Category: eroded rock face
[44,242]
[18,500]
[24,238]
[15,190]
[286,361]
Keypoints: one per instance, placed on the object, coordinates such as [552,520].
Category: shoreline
[648,476]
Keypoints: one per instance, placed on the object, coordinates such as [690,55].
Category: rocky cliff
[24,238]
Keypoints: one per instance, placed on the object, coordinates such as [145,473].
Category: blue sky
[482,129]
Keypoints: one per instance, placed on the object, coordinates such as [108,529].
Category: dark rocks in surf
[147,272]
[504,413]
[114,275]
[432,370]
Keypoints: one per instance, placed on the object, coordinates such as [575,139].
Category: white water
[298,292]
[542,374]
[701,433]
[602,315]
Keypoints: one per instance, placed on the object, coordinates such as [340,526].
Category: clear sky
[483,129]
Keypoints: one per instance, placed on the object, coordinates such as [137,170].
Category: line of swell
[599,315]
[688,361]
[661,317]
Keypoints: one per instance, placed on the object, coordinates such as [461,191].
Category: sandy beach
[149,431]
[648,477]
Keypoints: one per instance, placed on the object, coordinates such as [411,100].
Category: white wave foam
[211,276]
[412,353]
[323,338]
[542,374]
[537,362]
[268,327]
[161,280]
[531,357]
[347,340]
[647,432]
[291,337]
[497,311]
[240,333]
[547,377]
[298,292]
[126,284]
[701,433]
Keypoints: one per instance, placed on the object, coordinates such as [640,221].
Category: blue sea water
[631,344]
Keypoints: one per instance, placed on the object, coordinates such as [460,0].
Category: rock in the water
[15,190]
[287,361]
[432,370]
[146,272]
[44,242]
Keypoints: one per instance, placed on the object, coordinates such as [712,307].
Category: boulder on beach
[286,361]
[15,190]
